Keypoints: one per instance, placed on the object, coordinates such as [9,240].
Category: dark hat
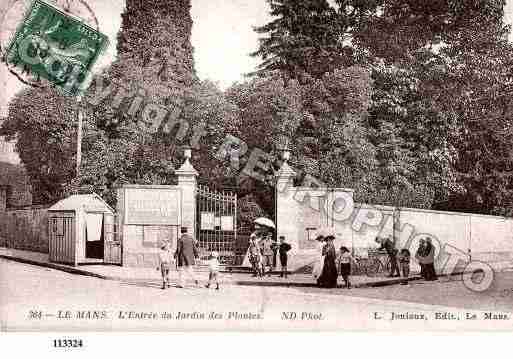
[184,230]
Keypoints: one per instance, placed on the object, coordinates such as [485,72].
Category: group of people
[333,262]
[263,250]
[185,257]
[400,260]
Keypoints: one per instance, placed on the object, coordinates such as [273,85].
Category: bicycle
[375,264]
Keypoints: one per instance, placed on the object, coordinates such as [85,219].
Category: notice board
[152,206]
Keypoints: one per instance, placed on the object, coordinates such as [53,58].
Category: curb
[61,267]
[77,271]
[312,284]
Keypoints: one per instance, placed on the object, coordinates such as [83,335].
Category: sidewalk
[111,272]
[126,274]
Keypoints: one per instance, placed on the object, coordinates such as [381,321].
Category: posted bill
[255,166]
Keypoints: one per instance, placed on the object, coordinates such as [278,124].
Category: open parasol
[266,222]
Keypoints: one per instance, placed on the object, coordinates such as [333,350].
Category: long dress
[329,274]
[419,256]
[430,265]
[247,258]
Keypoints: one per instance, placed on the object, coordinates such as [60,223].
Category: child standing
[345,259]
[404,262]
[165,264]
[283,249]
[213,267]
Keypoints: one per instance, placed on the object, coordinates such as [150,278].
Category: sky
[222,36]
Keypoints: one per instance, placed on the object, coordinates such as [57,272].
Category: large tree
[320,120]
[430,62]
[304,37]
[43,124]
[436,145]
[155,64]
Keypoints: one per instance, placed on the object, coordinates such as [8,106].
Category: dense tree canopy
[437,122]
[405,101]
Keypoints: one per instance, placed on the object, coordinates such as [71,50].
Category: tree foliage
[438,122]
[405,101]
[43,124]
[304,37]
[321,120]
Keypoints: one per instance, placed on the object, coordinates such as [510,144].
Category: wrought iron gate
[217,223]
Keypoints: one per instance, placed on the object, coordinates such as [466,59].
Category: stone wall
[302,212]
[25,229]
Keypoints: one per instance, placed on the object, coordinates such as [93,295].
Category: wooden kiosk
[82,230]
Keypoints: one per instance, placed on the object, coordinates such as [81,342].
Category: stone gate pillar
[286,205]
[187,182]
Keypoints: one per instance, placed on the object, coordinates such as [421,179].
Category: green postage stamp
[55,46]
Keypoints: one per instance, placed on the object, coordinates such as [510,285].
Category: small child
[213,267]
[345,258]
[165,264]
[404,263]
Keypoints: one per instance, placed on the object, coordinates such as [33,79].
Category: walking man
[186,254]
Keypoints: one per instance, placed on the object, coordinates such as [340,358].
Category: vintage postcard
[242,165]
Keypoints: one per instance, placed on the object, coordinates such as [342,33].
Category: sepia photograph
[256,166]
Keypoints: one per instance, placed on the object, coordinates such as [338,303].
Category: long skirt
[422,270]
[430,272]
[329,274]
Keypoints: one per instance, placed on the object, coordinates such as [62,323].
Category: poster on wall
[152,206]
[207,221]
[155,236]
[227,223]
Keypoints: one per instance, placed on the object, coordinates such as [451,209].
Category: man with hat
[389,246]
[266,247]
[186,254]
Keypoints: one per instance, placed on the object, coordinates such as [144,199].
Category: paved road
[70,302]
[445,292]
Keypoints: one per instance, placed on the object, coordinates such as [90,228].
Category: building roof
[88,202]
